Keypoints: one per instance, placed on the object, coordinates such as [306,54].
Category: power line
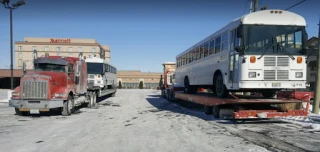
[296,4]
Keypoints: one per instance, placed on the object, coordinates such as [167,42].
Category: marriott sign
[60,40]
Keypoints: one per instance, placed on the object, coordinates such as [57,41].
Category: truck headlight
[299,74]
[15,94]
[252,74]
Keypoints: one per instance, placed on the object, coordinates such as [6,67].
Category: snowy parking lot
[140,120]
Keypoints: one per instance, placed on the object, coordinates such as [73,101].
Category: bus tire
[188,88]
[68,106]
[220,88]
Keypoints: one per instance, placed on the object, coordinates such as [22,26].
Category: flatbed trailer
[241,106]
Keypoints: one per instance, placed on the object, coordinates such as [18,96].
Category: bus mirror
[239,49]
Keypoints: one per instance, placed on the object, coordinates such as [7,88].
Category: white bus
[261,52]
[101,74]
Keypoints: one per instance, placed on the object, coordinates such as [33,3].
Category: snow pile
[306,122]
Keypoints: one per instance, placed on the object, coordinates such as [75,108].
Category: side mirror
[77,80]
[240,50]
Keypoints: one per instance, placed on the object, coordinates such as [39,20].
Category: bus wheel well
[215,75]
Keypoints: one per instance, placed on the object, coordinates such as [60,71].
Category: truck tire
[68,106]
[113,94]
[18,112]
[94,95]
[90,101]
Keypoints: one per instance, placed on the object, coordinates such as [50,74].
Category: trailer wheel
[216,111]
[90,101]
[208,110]
[220,88]
[68,106]
[20,113]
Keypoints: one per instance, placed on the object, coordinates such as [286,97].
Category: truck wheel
[220,88]
[94,101]
[67,106]
[216,111]
[90,102]
[208,110]
[113,94]
[18,112]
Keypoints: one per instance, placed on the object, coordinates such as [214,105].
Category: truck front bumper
[36,104]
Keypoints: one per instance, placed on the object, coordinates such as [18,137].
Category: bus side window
[218,44]
[211,47]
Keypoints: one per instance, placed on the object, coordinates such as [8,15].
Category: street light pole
[14,6]
[11,50]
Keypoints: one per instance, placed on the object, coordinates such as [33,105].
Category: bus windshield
[49,67]
[95,68]
[271,39]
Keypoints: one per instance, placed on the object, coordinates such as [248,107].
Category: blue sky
[141,34]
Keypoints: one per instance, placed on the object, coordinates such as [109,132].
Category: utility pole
[255,8]
[315,107]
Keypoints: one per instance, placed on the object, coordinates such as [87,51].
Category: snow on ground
[134,120]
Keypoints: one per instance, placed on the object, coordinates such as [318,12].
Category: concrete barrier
[5,95]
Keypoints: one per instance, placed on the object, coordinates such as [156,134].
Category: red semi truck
[56,83]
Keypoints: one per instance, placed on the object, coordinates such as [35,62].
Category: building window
[46,48]
[58,54]
[70,54]
[19,48]
[79,49]
[70,49]
[20,55]
[34,48]
[93,49]
[58,49]
[20,67]
[20,62]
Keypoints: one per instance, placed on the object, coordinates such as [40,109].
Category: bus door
[233,68]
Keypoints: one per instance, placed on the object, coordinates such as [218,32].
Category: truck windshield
[49,67]
[95,68]
[270,39]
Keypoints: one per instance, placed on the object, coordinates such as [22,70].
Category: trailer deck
[242,106]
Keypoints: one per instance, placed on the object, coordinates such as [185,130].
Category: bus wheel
[268,93]
[188,88]
[220,88]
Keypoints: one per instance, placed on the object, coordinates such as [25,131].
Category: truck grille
[276,62]
[34,89]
